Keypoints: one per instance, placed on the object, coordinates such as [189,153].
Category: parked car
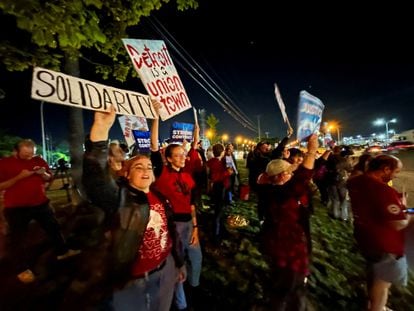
[374,149]
[401,145]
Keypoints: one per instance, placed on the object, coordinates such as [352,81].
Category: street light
[382,122]
[238,141]
[210,135]
[224,138]
[333,127]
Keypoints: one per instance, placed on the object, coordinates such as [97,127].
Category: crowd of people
[146,207]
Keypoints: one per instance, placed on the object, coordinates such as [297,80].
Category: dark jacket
[115,197]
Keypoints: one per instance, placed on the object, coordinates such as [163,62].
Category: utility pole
[42,123]
[202,119]
[258,125]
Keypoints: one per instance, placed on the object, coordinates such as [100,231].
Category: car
[400,145]
[374,149]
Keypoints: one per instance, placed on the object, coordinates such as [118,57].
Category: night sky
[358,61]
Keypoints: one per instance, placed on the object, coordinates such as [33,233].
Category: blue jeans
[388,268]
[151,293]
[194,259]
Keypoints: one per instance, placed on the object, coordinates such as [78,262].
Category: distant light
[379,122]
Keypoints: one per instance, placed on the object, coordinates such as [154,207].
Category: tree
[7,143]
[212,122]
[57,34]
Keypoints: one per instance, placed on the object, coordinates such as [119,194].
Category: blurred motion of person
[23,177]
[380,221]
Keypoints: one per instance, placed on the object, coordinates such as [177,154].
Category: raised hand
[289,131]
[313,143]
[157,106]
[102,123]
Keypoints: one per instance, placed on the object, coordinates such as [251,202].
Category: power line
[220,96]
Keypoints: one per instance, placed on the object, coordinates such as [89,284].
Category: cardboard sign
[310,111]
[59,88]
[155,68]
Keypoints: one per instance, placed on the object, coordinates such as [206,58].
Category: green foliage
[212,122]
[7,143]
[74,27]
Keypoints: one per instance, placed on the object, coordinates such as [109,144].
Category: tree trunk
[76,128]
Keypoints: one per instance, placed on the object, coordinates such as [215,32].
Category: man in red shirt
[23,177]
[379,225]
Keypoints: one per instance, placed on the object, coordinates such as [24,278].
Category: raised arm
[96,178]
[309,160]
[102,123]
[156,157]
[278,151]
[196,136]
[155,126]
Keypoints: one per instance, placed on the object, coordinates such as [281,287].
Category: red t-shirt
[374,205]
[27,192]
[218,172]
[156,243]
[176,186]
[193,162]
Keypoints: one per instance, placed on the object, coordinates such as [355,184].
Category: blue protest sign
[309,115]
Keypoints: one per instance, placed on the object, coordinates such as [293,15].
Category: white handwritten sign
[154,65]
[59,88]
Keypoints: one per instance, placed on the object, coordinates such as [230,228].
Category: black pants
[218,201]
[18,220]
[287,290]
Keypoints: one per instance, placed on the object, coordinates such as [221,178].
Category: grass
[234,271]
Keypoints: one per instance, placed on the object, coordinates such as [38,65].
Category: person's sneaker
[69,253]
[26,276]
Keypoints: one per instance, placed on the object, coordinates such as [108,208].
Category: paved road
[406,177]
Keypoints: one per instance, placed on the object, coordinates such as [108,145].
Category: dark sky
[358,61]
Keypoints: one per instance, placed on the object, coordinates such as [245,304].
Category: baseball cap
[275,167]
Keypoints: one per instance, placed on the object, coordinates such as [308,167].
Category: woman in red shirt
[176,185]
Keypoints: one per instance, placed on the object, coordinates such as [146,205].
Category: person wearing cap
[284,238]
